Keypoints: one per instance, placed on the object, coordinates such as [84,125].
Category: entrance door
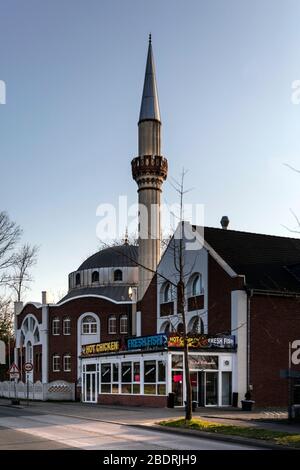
[197,383]
[90,391]
[211,388]
[194,385]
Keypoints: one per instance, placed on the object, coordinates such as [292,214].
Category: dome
[114,256]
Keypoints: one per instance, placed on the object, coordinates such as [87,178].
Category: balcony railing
[166,309]
[196,302]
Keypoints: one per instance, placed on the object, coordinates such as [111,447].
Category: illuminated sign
[100,348]
[202,342]
[147,342]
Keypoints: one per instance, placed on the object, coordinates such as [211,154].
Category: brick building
[116,337]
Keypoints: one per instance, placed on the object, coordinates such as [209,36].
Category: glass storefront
[206,378]
[148,375]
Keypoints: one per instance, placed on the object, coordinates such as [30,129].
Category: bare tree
[20,278]
[10,234]
[6,319]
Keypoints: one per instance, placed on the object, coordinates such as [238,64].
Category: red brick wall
[148,308]
[274,322]
[63,344]
[133,400]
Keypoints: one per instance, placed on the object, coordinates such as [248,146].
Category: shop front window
[126,373]
[105,378]
[136,378]
[177,361]
[150,377]
[115,377]
[177,381]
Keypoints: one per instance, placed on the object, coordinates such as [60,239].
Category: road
[22,428]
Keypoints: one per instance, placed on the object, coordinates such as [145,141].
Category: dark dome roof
[115,256]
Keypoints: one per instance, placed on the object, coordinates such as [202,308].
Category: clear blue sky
[74,73]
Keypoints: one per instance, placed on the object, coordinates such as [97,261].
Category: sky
[74,73]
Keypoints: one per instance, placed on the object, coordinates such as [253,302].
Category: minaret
[149,170]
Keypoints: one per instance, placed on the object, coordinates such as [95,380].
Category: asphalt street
[29,428]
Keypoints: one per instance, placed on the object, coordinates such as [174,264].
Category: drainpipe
[250,295]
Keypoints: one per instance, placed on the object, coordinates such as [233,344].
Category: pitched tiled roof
[268,262]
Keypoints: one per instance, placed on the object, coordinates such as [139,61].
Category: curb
[220,437]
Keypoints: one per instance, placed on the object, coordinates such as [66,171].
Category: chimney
[224,222]
[44,297]
[18,308]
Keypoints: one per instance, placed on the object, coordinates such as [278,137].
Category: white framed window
[124,324]
[194,285]
[112,325]
[89,325]
[67,362]
[56,362]
[67,326]
[36,335]
[29,352]
[197,285]
[167,293]
[196,325]
[55,326]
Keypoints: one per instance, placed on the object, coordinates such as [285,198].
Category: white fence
[58,390]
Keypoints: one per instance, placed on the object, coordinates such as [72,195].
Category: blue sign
[147,342]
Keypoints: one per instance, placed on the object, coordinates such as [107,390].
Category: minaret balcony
[149,165]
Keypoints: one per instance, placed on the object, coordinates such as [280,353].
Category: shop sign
[147,342]
[100,348]
[203,362]
[202,342]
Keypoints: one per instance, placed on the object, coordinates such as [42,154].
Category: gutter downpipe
[250,295]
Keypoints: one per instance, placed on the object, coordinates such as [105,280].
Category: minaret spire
[149,106]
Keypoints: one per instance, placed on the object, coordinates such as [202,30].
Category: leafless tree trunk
[181,298]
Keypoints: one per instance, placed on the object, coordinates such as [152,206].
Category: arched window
[67,326]
[112,325]
[196,325]
[167,295]
[89,325]
[36,335]
[67,362]
[29,352]
[118,275]
[124,324]
[194,285]
[197,285]
[95,276]
[55,326]
[77,279]
[165,327]
[56,362]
